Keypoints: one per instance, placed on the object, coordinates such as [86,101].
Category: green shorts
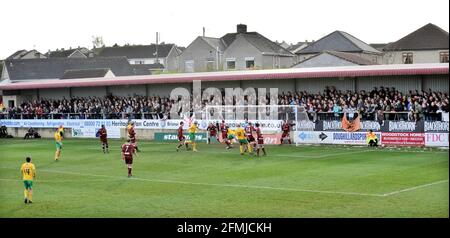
[192,136]
[58,145]
[28,184]
[230,137]
[243,141]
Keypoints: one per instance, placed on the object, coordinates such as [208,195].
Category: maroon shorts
[181,138]
[250,138]
[285,134]
[213,134]
[133,140]
[224,135]
[128,160]
[104,140]
[260,141]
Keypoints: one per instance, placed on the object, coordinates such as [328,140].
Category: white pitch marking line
[221,185]
[249,186]
[414,188]
[58,181]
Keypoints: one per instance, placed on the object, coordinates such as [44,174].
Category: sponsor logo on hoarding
[76,132]
[306,125]
[306,136]
[403,138]
[161,136]
[163,123]
[153,124]
[370,125]
[436,126]
[349,136]
[337,125]
[119,123]
[272,139]
[402,126]
[436,139]
[322,136]
[332,125]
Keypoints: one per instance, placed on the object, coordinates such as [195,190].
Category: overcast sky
[51,24]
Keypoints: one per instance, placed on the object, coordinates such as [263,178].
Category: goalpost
[270,117]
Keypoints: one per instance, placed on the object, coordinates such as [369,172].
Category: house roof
[52,68]
[338,41]
[265,45]
[18,54]
[136,51]
[378,46]
[84,73]
[278,74]
[259,41]
[214,42]
[350,57]
[428,37]
[181,48]
[295,46]
[61,53]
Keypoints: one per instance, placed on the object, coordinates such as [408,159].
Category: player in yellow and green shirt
[192,130]
[242,138]
[28,173]
[230,135]
[59,135]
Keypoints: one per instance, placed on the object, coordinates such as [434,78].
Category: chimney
[241,28]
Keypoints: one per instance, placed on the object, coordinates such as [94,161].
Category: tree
[97,42]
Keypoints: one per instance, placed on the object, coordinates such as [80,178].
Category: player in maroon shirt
[103,138]
[249,131]
[212,129]
[224,132]
[286,128]
[128,149]
[181,138]
[259,140]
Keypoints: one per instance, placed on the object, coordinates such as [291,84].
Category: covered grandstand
[403,77]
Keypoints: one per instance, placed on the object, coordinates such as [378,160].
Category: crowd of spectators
[378,104]
[110,107]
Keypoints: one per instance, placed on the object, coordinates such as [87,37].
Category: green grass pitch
[304,181]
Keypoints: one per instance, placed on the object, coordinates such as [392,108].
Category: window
[407,58]
[249,62]
[443,57]
[189,66]
[231,63]
[139,62]
[10,103]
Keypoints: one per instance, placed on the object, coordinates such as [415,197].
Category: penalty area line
[60,181]
[414,188]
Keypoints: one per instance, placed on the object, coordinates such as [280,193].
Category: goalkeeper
[371,139]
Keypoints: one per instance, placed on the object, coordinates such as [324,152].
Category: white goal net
[271,117]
